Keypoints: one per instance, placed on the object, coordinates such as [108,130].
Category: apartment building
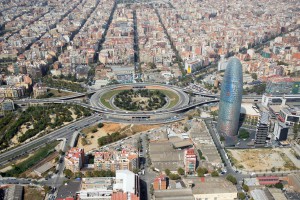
[74,159]
[115,160]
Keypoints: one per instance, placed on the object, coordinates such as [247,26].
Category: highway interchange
[106,115]
[102,114]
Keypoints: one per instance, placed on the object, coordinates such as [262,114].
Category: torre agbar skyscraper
[231,98]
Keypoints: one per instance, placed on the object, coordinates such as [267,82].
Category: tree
[201,171]
[94,130]
[186,129]
[83,142]
[100,125]
[167,171]
[180,171]
[273,169]
[296,130]
[243,134]
[89,174]
[78,175]
[222,138]
[232,179]
[241,195]
[174,176]
[279,185]
[68,173]
[214,174]
[245,188]
[254,76]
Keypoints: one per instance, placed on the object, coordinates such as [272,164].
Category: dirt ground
[278,158]
[92,138]
[33,193]
[22,130]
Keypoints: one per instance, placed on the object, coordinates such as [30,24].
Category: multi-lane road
[64,132]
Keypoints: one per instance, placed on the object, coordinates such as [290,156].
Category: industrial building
[211,188]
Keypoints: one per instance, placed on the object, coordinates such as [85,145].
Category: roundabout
[139,98]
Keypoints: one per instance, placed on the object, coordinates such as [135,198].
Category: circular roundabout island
[140,100]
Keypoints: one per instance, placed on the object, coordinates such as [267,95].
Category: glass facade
[231,98]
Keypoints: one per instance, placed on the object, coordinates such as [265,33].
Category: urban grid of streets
[158,38]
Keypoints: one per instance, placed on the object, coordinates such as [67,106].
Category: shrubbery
[109,138]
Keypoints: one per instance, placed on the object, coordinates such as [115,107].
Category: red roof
[268,180]
[119,196]
[68,198]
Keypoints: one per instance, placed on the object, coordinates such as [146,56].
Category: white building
[222,63]
[106,188]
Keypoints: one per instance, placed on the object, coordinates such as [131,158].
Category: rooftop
[264,119]
[249,109]
[174,194]
[210,185]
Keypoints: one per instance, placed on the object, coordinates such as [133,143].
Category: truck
[155,169]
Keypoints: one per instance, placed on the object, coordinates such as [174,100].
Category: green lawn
[107,96]
[39,155]
[174,98]
[59,94]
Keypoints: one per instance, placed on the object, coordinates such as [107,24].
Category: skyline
[149,99]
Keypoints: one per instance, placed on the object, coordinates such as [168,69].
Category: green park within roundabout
[141,98]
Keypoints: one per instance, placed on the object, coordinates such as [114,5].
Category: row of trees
[39,118]
[61,84]
[69,77]
[101,173]
[18,169]
[109,138]
[258,89]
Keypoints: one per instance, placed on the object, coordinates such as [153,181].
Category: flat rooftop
[210,185]
[248,109]
[174,194]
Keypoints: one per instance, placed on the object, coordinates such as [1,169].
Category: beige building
[115,160]
[11,91]
[74,159]
[294,181]
[211,188]
[6,105]
[39,90]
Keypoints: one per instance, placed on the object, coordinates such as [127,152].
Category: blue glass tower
[231,98]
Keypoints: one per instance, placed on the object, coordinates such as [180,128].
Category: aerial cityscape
[150,100]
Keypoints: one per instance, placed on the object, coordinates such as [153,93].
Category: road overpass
[96,105]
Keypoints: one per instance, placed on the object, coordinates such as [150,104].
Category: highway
[36,143]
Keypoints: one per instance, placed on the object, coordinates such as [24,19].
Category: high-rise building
[262,129]
[231,98]
[74,159]
[190,161]
[281,131]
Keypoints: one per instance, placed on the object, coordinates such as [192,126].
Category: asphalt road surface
[34,144]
